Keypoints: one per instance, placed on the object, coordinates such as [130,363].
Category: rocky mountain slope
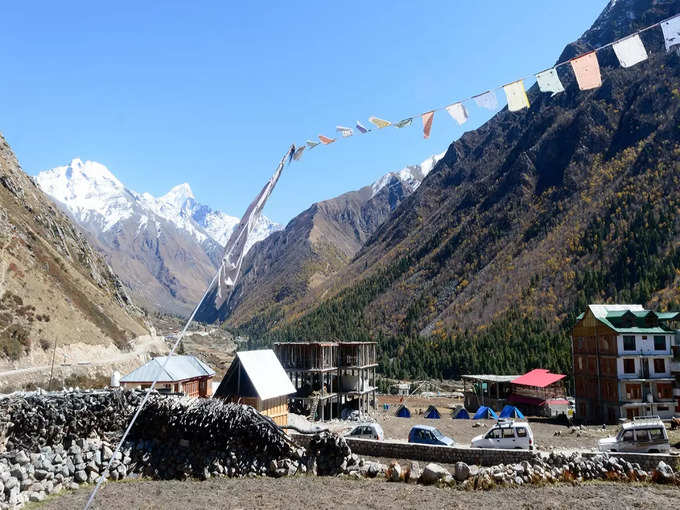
[521,223]
[289,264]
[165,249]
[53,285]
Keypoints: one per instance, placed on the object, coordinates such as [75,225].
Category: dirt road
[320,492]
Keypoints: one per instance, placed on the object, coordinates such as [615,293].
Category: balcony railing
[675,366]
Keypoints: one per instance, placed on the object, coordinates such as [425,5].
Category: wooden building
[623,359]
[330,377]
[539,393]
[257,379]
[181,374]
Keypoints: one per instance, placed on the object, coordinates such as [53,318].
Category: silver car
[367,431]
[646,434]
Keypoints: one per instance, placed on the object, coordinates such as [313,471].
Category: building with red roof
[539,392]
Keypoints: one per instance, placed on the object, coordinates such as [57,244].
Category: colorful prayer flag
[671,32]
[487,100]
[587,71]
[361,128]
[517,96]
[380,123]
[298,153]
[404,122]
[427,123]
[549,81]
[325,140]
[458,112]
[630,51]
[345,131]
[311,144]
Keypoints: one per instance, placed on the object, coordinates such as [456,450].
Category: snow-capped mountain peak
[99,200]
[178,196]
[412,175]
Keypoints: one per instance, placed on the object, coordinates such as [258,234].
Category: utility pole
[54,353]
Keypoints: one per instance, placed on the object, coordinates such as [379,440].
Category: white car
[510,435]
[367,431]
[645,434]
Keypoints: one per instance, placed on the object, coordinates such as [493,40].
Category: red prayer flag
[325,140]
[427,123]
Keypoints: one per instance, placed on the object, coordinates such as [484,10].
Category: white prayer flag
[236,245]
[458,112]
[630,51]
[487,100]
[671,32]
[548,81]
[344,131]
[517,96]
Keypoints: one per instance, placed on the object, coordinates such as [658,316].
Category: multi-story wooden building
[622,356]
[330,376]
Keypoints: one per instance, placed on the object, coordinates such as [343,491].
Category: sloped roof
[178,369]
[612,315]
[539,377]
[266,373]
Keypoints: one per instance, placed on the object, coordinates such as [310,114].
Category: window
[664,390]
[627,435]
[633,392]
[659,365]
[508,433]
[660,343]
[642,435]
[628,343]
[521,432]
[580,363]
[628,366]
[662,408]
[494,434]
[656,434]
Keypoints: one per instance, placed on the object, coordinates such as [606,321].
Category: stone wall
[477,456]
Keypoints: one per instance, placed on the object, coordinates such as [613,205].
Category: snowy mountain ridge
[96,198]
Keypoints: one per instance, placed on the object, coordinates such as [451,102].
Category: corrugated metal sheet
[177,369]
[266,373]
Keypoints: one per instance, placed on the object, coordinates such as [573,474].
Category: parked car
[644,434]
[426,434]
[367,431]
[508,434]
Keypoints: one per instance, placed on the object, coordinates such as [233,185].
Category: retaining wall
[478,456]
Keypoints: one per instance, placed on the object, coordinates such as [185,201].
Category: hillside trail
[82,357]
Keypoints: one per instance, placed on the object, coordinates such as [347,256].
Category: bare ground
[462,431]
[316,492]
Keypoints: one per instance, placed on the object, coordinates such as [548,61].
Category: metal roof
[491,377]
[266,373]
[179,368]
[539,378]
[608,313]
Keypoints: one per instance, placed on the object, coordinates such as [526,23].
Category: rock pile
[329,454]
[540,470]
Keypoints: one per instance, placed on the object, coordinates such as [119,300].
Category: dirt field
[462,431]
[300,492]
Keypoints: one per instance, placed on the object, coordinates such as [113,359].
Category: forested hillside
[521,224]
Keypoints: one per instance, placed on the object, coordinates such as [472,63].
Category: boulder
[432,473]
[461,471]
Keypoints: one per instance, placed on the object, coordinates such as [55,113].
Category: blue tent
[403,412]
[485,412]
[461,414]
[433,413]
[511,412]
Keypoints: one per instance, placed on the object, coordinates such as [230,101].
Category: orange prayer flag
[427,123]
[325,140]
[587,71]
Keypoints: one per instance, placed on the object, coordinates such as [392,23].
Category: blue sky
[212,93]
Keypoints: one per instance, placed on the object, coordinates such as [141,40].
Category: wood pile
[30,421]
